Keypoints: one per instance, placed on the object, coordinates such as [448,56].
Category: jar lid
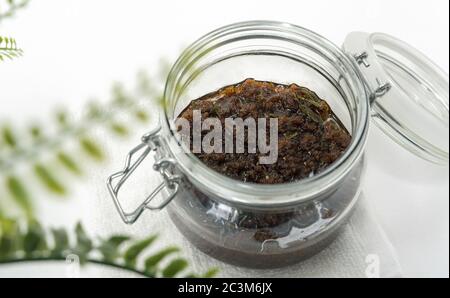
[409,94]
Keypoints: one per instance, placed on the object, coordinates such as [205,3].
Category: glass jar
[264,226]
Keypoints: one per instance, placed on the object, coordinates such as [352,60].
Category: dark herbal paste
[310,136]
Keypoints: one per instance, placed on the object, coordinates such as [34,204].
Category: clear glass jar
[250,224]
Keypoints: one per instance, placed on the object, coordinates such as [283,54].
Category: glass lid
[409,94]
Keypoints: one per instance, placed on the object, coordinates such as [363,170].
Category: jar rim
[261,195]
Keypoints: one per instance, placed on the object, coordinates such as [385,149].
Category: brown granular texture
[310,136]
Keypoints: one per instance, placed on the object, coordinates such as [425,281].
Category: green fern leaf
[8,136]
[144,86]
[10,238]
[210,273]
[8,48]
[35,132]
[49,180]
[94,111]
[7,246]
[110,248]
[69,163]
[84,243]
[133,251]
[34,240]
[61,242]
[91,149]
[20,194]
[141,116]
[120,98]
[175,267]
[152,262]
[119,129]
[12,7]
[61,118]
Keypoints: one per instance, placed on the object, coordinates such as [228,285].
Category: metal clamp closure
[164,166]
[378,89]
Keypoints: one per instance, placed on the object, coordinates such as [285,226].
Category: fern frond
[69,163]
[9,8]
[9,49]
[19,243]
[174,268]
[20,194]
[133,251]
[47,151]
[49,180]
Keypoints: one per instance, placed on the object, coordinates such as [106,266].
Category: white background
[74,49]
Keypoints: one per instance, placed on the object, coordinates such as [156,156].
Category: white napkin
[361,250]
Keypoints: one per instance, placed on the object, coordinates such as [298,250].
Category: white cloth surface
[362,242]
[349,255]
